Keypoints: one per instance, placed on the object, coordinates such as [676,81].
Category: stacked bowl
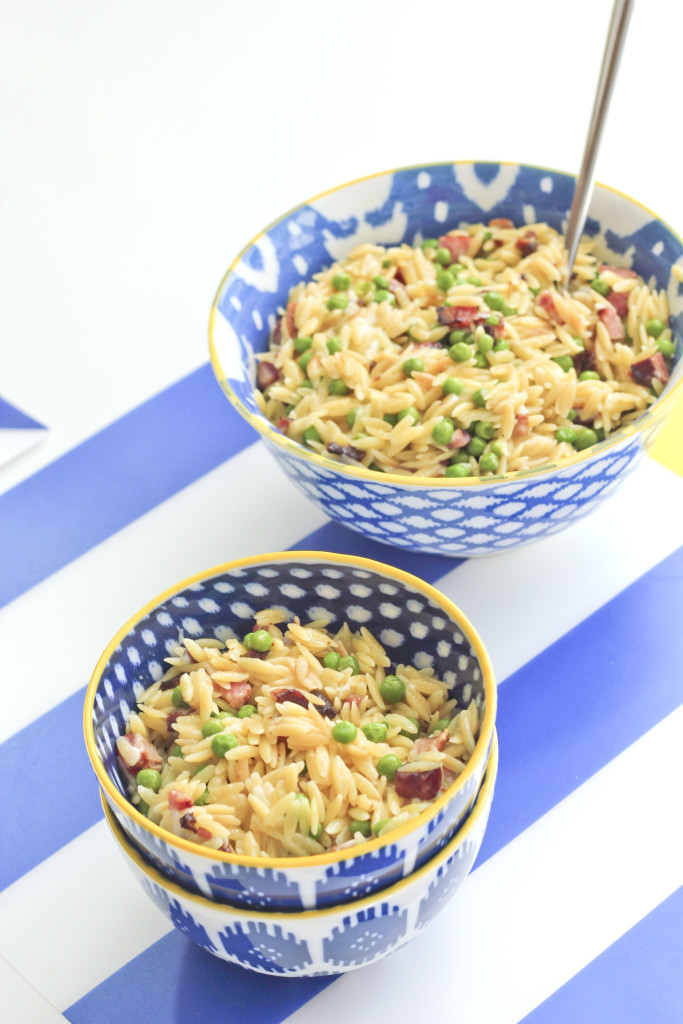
[345,907]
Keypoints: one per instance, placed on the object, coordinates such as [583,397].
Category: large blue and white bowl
[452,516]
[415,623]
[327,941]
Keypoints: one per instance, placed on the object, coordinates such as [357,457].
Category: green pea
[443,256]
[331,660]
[290,409]
[383,296]
[443,431]
[488,463]
[452,386]
[302,344]
[485,343]
[600,286]
[376,468]
[476,281]
[411,733]
[458,469]
[149,778]
[492,320]
[344,732]
[380,282]
[350,661]
[386,263]
[143,807]
[476,446]
[666,347]
[484,429]
[566,435]
[460,456]
[261,640]
[177,751]
[177,698]
[585,437]
[203,799]
[392,689]
[362,828]
[414,365]
[333,345]
[430,243]
[444,281]
[494,300]
[338,301]
[246,711]
[600,433]
[442,724]
[305,360]
[572,414]
[487,237]
[480,360]
[222,743]
[211,727]
[456,268]
[351,416]
[362,287]
[497,449]
[391,418]
[501,346]
[376,732]
[306,384]
[589,375]
[379,825]
[337,387]
[411,411]
[460,353]
[509,310]
[458,335]
[479,398]
[564,362]
[388,765]
[578,341]
[341,281]
[654,327]
[310,434]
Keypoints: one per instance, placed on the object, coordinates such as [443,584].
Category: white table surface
[142,145]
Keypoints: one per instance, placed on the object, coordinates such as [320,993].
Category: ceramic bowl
[331,940]
[452,516]
[404,613]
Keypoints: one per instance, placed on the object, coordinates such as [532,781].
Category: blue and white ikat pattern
[457,518]
[415,630]
[332,940]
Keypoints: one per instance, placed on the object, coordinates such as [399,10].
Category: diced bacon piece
[173,716]
[398,276]
[276,337]
[494,330]
[521,427]
[137,753]
[266,374]
[437,741]
[528,243]
[289,319]
[235,694]
[348,451]
[456,316]
[501,222]
[283,424]
[649,369]
[397,288]
[619,300]
[325,708]
[457,245]
[189,822]
[612,322]
[179,801]
[460,439]
[294,696]
[546,302]
[621,271]
[354,699]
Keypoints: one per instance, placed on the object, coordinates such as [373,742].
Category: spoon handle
[621,13]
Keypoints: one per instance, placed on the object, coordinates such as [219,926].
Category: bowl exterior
[469,517]
[332,941]
[223,603]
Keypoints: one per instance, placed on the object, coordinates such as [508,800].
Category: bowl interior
[408,205]
[414,623]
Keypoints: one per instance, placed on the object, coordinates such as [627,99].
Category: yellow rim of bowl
[269,432]
[390,572]
[482,802]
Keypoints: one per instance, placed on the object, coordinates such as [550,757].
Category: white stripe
[536,913]
[530,917]
[21,1004]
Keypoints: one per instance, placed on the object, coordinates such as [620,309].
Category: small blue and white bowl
[404,613]
[332,940]
[449,516]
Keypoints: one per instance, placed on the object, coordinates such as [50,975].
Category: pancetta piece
[266,374]
[137,753]
[612,321]
[456,316]
[649,369]
[457,245]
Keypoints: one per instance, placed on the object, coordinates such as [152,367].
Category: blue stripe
[114,477]
[12,418]
[174,980]
[637,980]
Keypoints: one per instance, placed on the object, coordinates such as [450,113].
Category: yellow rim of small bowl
[270,433]
[486,729]
[484,798]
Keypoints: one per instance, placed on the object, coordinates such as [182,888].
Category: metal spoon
[621,13]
